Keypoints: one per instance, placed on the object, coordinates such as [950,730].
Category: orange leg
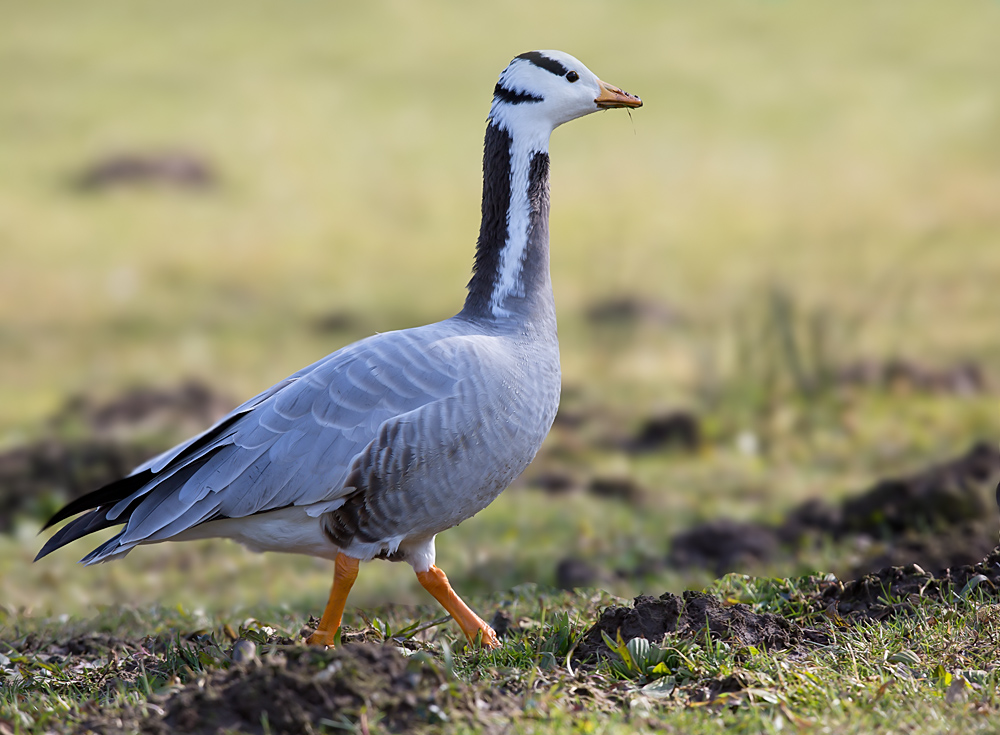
[345,571]
[435,582]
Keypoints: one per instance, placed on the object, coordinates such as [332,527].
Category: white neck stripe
[526,141]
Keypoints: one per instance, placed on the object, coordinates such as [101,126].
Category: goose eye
[572,76]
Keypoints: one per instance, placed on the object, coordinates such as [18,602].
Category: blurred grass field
[809,185]
[844,153]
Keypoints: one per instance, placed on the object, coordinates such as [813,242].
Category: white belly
[289,530]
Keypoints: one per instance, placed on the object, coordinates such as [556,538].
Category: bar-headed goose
[374,450]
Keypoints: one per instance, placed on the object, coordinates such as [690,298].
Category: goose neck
[511,271]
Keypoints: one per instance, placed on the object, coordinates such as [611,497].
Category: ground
[777,453]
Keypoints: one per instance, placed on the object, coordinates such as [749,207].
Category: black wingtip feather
[111,493]
[96,520]
[103,498]
[121,489]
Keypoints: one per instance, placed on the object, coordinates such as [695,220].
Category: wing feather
[293,444]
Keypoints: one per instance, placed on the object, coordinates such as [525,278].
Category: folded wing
[293,444]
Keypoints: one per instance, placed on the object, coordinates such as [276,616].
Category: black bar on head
[512,97]
[544,62]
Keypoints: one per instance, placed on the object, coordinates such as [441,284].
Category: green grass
[840,154]
[933,671]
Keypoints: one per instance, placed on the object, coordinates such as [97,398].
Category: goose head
[540,90]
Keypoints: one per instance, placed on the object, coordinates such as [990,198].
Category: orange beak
[614,97]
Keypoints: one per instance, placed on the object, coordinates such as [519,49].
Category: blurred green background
[829,170]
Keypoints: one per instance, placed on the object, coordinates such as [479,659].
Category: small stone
[244,652]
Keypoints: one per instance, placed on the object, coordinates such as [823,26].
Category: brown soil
[940,517]
[626,311]
[948,548]
[710,690]
[554,482]
[945,494]
[964,378]
[572,573]
[679,430]
[168,168]
[32,477]
[878,596]
[339,320]
[723,546]
[177,411]
[295,690]
[617,488]
[894,590]
[282,686]
[692,616]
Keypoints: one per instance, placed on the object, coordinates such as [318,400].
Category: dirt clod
[501,623]
[627,311]
[723,546]
[178,410]
[337,321]
[616,488]
[653,618]
[29,474]
[172,168]
[944,494]
[712,689]
[555,482]
[901,375]
[572,573]
[895,589]
[938,517]
[678,430]
[295,691]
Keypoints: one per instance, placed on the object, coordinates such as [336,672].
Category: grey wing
[293,444]
[434,467]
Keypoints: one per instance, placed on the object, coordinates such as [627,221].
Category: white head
[541,90]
